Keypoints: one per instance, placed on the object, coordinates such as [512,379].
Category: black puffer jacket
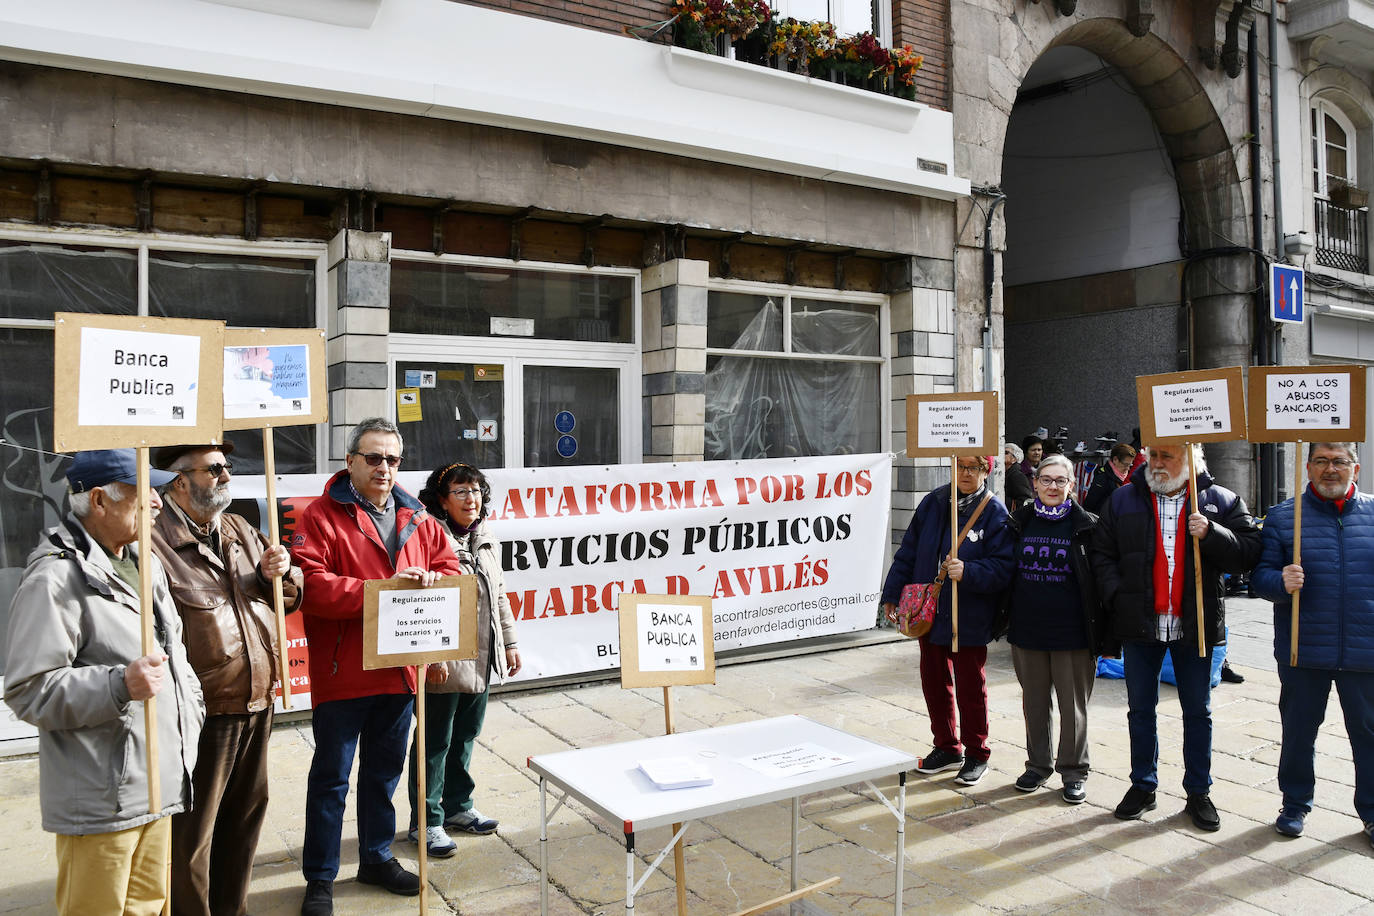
[1124,553]
[1095,618]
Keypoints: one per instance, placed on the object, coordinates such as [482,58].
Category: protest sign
[274,377]
[1200,405]
[407,624]
[952,425]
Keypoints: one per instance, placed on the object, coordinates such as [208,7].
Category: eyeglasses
[1058,483]
[972,468]
[373,459]
[1340,464]
[214,470]
[465,492]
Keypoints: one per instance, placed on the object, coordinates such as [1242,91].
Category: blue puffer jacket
[1336,614]
[989,563]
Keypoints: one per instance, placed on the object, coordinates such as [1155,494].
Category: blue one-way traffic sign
[1286,293]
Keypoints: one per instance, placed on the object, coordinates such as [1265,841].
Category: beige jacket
[479,553]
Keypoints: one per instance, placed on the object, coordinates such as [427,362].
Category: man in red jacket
[363,527]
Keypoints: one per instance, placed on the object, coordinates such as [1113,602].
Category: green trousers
[452,723]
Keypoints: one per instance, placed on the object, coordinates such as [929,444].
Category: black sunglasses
[373,459]
[214,470]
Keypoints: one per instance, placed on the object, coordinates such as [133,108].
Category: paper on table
[676,772]
[794,760]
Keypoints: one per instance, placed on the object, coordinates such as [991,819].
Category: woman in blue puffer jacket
[983,569]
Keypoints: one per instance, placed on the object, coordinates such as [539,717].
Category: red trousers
[946,675]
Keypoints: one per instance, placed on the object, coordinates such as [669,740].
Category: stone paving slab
[968,850]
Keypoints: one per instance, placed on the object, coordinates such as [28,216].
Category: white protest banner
[785,548]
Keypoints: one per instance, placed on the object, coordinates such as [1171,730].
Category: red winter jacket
[337,547]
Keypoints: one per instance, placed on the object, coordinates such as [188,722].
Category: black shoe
[1230,676]
[937,760]
[1074,793]
[1203,812]
[1135,803]
[1029,781]
[971,771]
[319,899]
[391,876]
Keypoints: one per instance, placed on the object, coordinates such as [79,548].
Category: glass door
[572,415]
[450,411]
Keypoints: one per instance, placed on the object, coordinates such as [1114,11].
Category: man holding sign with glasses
[221,569]
[1144,567]
[1336,637]
[362,527]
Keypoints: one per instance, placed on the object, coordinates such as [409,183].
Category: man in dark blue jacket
[1335,626]
[1143,560]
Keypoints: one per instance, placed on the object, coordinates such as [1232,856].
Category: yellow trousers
[114,874]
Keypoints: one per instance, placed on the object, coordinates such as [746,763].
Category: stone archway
[1217,275]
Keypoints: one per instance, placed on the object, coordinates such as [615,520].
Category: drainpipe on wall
[1276,350]
[988,265]
[1267,483]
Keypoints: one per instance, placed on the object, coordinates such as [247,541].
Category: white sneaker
[437,842]
[471,821]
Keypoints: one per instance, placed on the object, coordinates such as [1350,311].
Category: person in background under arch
[1018,486]
[1109,477]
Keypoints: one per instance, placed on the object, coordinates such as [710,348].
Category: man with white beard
[1336,628]
[221,569]
[1143,561]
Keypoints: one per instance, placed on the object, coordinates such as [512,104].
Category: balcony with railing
[1342,236]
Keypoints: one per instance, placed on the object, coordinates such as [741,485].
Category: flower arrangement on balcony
[814,49]
[802,45]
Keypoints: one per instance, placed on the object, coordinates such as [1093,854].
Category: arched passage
[1125,210]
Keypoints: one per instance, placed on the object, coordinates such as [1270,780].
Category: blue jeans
[379,728]
[1143,662]
[1302,707]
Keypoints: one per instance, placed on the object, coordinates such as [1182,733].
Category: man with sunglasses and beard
[221,569]
[362,527]
[1335,626]
[1143,560]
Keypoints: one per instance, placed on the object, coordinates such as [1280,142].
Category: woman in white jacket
[457,495]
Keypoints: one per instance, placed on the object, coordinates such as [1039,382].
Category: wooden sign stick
[1297,553]
[421,799]
[269,470]
[954,550]
[679,865]
[1197,555]
[147,619]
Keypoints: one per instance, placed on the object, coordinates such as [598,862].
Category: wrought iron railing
[1342,237]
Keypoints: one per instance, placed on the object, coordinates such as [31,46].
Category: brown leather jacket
[228,624]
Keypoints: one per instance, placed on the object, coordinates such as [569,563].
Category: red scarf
[1338,503]
[1169,595]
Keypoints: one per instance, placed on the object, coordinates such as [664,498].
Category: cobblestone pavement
[987,848]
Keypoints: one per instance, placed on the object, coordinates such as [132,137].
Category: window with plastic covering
[39,277]
[789,376]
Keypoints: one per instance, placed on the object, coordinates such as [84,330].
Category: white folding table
[607,779]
